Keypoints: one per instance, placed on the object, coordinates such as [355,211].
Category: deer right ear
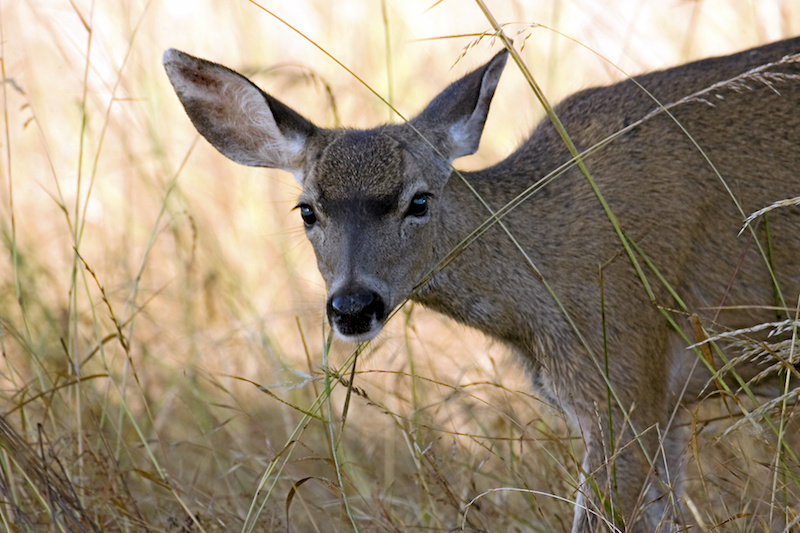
[454,120]
[239,119]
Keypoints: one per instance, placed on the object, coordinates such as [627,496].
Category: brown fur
[385,207]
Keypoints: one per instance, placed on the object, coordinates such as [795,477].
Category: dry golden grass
[161,314]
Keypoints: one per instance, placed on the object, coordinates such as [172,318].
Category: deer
[595,251]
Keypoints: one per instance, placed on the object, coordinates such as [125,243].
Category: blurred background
[161,316]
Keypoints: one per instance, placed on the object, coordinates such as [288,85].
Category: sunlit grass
[161,314]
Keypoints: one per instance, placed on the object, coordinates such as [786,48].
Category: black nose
[353,304]
[356,312]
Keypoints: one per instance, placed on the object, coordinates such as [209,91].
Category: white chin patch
[361,337]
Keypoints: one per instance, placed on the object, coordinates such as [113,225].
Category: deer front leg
[625,481]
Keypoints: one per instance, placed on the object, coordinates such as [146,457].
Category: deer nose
[356,314]
[353,304]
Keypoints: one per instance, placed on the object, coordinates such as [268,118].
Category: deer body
[383,207]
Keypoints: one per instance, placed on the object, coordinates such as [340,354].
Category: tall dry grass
[161,315]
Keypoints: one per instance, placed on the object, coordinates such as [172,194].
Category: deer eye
[307,214]
[418,206]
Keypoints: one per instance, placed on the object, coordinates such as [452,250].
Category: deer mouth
[356,315]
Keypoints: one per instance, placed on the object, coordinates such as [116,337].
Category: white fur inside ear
[463,139]
[299,175]
[233,114]
[267,144]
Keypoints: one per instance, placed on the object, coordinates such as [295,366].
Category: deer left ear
[239,119]
[454,120]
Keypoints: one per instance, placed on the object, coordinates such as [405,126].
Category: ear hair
[235,116]
[456,117]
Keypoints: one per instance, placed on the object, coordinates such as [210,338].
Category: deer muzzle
[357,314]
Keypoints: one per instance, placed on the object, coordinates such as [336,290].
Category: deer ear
[454,120]
[239,119]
